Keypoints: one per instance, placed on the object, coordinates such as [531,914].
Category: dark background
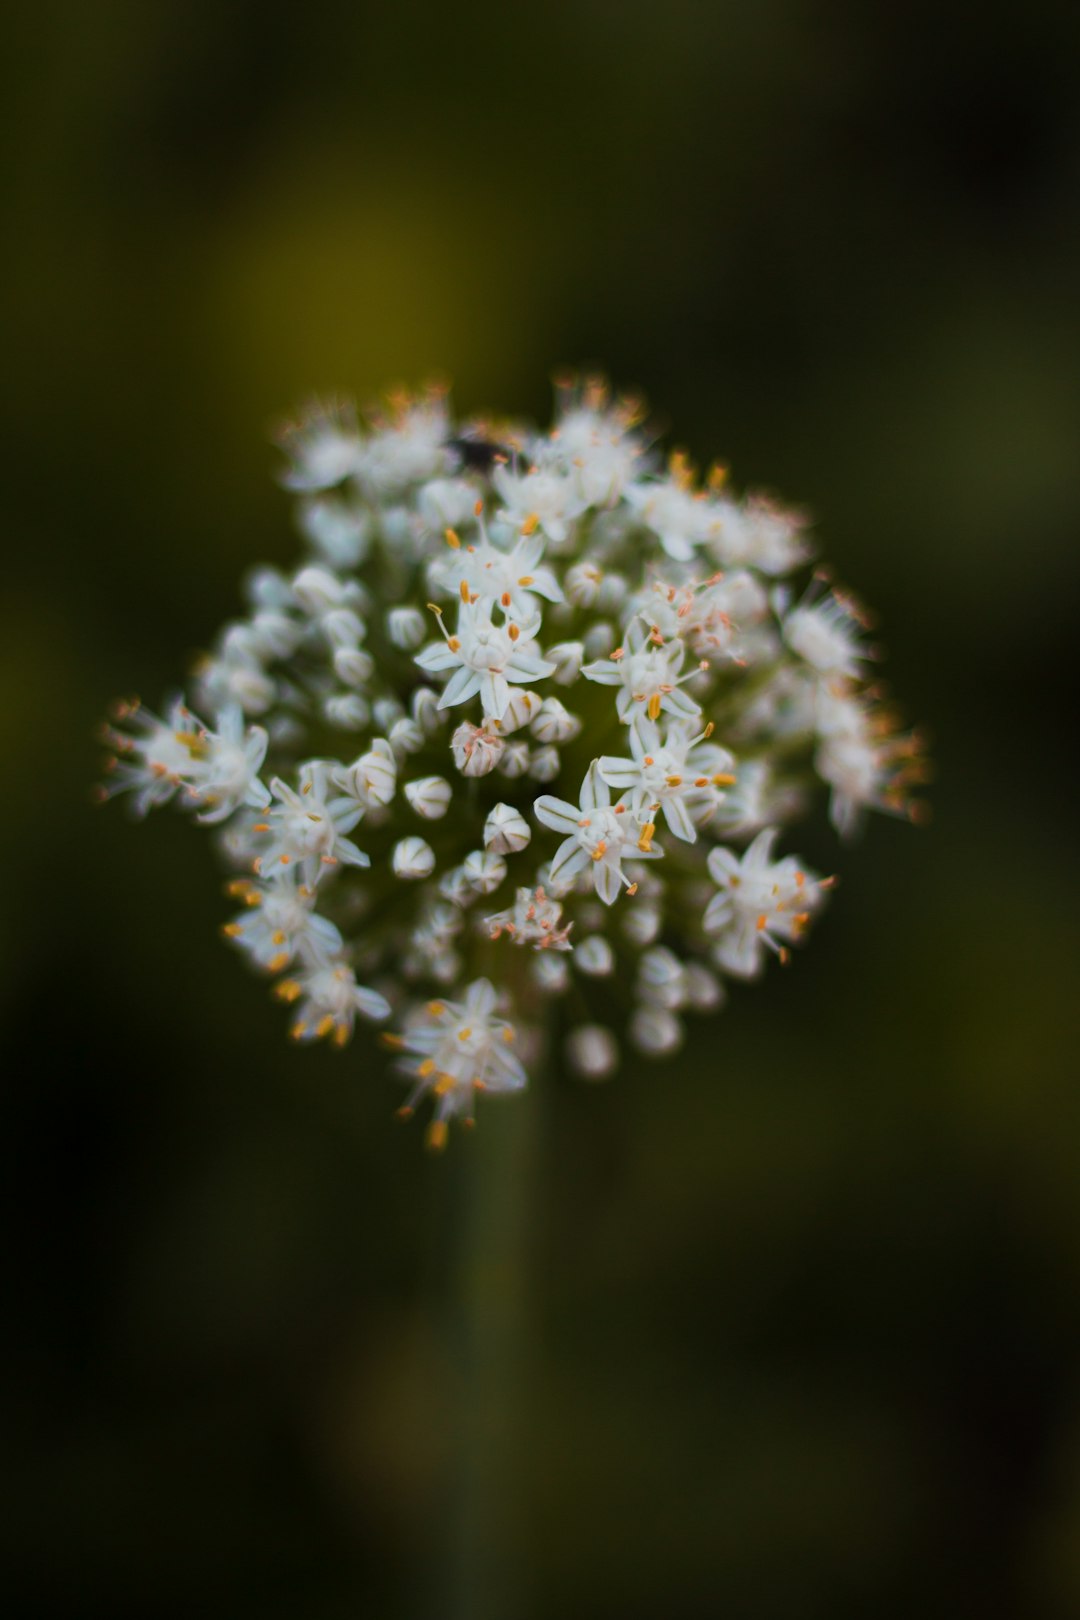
[790,1327]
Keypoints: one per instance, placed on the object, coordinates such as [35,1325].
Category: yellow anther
[723,779]
[435,1138]
[654,706]
[648,833]
[436,1008]
[393,1043]
[464,591]
[287,990]
[231,930]
[454,644]
[600,851]
[674,781]
[513,631]
[426,1068]
[324,1026]
[531,523]
[341,1035]
[276,963]
[526,579]
[453,540]
[463,1034]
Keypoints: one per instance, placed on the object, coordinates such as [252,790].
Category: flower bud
[553,723]
[641,924]
[352,666]
[567,656]
[429,796]
[455,887]
[661,979]
[406,737]
[276,635]
[340,532]
[594,956]
[475,751]
[406,628]
[550,972]
[582,584]
[485,870]
[515,761]
[506,831]
[544,765]
[704,991]
[424,708]
[342,627]
[373,778]
[655,1031]
[519,711]
[592,1052]
[412,859]
[348,710]
[599,639]
[386,710]
[317,590]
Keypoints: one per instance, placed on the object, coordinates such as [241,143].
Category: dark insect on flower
[478,454]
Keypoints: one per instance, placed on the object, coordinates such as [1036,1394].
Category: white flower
[506,831]
[680,519]
[647,674]
[323,449]
[309,827]
[485,657]
[225,767]
[329,1000]
[826,634]
[159,759]
[511,578]
[592,1051]
[668,774]
[456,1049]
[412,859]
[280,921]
[534,919]
[596,833]
[536,499]
[760,903]
[411,446]
[429,796]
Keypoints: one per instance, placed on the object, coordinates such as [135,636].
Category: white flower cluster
[551,687]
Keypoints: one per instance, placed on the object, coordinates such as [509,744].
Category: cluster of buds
[513,746]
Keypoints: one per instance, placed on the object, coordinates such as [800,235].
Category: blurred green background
[790,1327]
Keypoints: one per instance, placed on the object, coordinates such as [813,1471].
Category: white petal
[557,814]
